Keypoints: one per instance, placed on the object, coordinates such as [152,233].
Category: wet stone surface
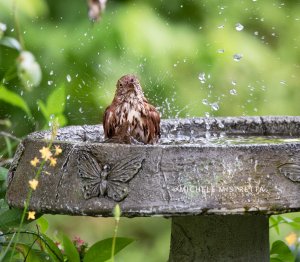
[201,166]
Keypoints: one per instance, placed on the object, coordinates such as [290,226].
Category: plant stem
[114,240]
[17,24]
[27,204]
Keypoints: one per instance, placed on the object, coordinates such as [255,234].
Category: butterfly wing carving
[120,174]
[90,173]
[291,171]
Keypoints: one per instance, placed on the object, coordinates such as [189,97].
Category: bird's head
[129,85]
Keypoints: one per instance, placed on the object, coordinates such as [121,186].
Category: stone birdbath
[217,178]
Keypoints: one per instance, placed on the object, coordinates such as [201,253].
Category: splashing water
[239,27]
[69,79]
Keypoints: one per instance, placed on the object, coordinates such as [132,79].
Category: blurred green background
[183,52]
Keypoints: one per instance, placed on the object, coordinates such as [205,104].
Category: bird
[131,118]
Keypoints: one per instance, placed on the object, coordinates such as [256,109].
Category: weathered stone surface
[167,179]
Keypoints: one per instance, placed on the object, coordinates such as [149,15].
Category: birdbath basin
[217,178]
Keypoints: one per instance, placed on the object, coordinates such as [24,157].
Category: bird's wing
[109,122]
[152,121]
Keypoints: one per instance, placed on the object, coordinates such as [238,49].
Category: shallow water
[227,140]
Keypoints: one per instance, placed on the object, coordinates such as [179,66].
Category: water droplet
[50,83]
[255,33]
[233,92]
[80,110]
[283,82]
[239,27]
[68,97]
[233,82]
[237,57]
[69,78]
[22,92]
[205,101]
[221,51]
[220,26]
[3,27]
[181,6]
[215,106]
[51,72]
[202,78]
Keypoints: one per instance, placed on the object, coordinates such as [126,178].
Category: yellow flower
[34,161]
[291,239]
[33,183]
[45,152]
[58,150]
[52,161]
[31,215]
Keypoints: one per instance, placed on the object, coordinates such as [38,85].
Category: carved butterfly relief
[105,180]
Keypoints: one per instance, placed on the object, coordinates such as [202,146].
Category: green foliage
[55,105]
[9,217]
[11,43]
[3,185]
[14,99]
[101,251]
[275,221]
[280,252]
[70,250]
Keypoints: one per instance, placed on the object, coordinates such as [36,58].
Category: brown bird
[130,117]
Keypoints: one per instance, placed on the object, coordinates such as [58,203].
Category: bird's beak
[131,86]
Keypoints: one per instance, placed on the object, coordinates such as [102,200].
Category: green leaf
[43,109]
[11,43]
[3,185]
[55,106]
[14,99]
[70,250]
[3,173]
[9,218]
[274,223]
[31,254]
[101,251]
[52,249]
[7,253]
[281,252]
[56,101]
[42,224]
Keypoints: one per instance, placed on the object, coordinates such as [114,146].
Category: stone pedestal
[220,238]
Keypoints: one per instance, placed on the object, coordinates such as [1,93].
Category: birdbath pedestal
[217,178]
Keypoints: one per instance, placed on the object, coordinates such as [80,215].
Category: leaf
[274,223]
[11,42]
[56,101]
[3,185]
[281,252]
[101,251]
[52,249]
[31,254]
[55,106]
[9,218]
[14,99]
[6,253]
[70,250]
[3,173]
[43,109]
[42,224]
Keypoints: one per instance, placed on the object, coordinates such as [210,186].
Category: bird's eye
[120,85]
[131,80]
